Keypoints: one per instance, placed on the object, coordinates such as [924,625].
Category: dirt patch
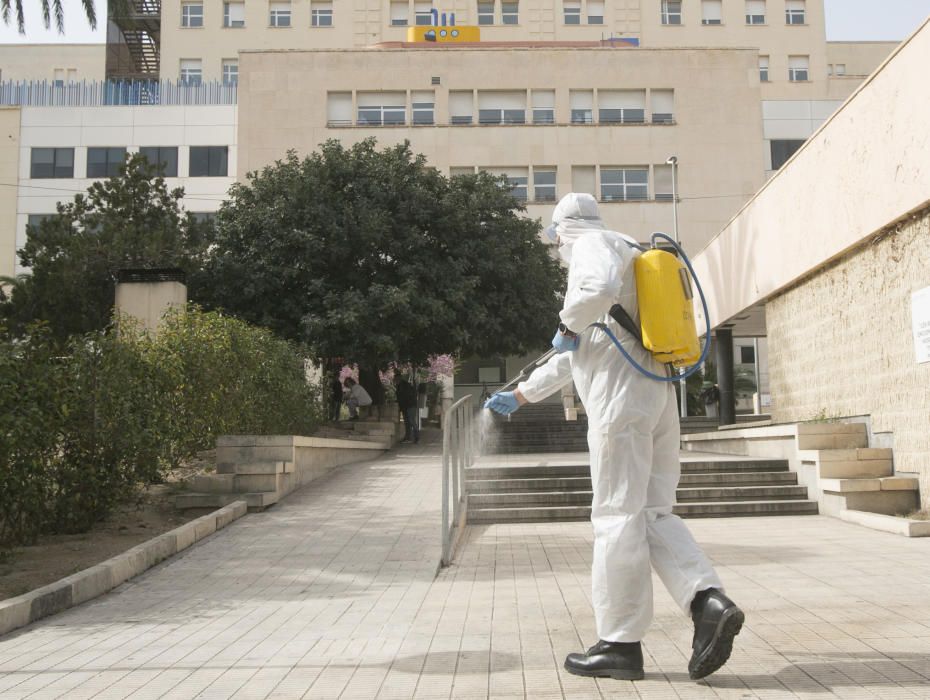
[54,557]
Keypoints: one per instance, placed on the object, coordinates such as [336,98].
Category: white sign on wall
[920,319]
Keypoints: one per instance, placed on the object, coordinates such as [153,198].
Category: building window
[191,71]
[583,177]
[485,13]
[423,16]
[794,11]
[233,14]
[755,11]
[544,184]
[230,71]
[209,161]
[763,69]
[747,355]
[582,106]
[52,163]
[663,106]
[399,14]
[516,179]
[502,107]
[798,69]
[339,109]
[664,190]
[321,14]
[206,219]
[279,14]
[461,171]
[624,184]
[595,11]
[105,162]
[164,158]
[571,11]
[35,220]
[191,14]
[783,149]
[423,105]
[461,106]
[382,109]
[711,12]
[621,106]
[544,106]
[509,13]
[840,69]
[671,12]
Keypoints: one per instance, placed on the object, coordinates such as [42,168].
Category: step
[583,497]
[730,466]
[237,483]
[741,493]
[567,483]
[255,501]
[535,471]
[738,479]
[691,510]
[277,467]
[529,514]
[531,498]
[732,509]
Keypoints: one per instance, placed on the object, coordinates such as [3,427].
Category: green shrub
[84,426]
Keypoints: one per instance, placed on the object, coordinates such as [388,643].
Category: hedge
[84,426]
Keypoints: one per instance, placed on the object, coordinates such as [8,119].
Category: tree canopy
[125,222]
[371,255]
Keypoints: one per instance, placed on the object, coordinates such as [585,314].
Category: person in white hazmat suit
[633,437]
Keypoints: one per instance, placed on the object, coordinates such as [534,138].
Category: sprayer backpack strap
[620,315]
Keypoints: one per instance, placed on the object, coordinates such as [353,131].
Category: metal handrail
[459,445]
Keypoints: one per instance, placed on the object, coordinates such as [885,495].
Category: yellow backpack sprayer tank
[666,308]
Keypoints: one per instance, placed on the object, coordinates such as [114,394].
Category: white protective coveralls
[633,434]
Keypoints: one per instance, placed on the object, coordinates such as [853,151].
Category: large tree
[371,255]
[74,256]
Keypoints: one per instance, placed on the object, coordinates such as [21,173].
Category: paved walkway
[330,594]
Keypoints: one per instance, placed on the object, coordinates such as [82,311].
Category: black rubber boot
[717,620]
[622,661]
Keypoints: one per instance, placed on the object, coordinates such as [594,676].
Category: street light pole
[673,161]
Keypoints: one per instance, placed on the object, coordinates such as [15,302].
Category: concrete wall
[148,302]
[9,172]
[68,62]
[842,344]
[283,104]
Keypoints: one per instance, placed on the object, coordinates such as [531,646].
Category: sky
[847,20]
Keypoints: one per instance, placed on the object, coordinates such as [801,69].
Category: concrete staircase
[832,459]
[560,489]
[261,470]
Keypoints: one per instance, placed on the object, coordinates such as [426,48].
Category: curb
[107,575]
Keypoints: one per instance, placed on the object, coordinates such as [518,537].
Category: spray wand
[542,359]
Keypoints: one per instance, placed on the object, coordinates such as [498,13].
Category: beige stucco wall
[41,61]
[859,57]
[148,302]
[283,102]
[842,344]
[9,172]
[863,170]
[367,22]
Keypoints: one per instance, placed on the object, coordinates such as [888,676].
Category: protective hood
[574,215]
